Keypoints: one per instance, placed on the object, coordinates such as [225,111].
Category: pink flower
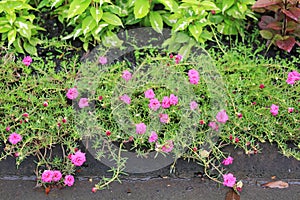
[173,99]
[193,105]
[69,180]
[168,146]
[290,110]
[140,128]
[27,60]
[229,180]
[240,115]
[47,176]
[227,161]
[164,118]
[178,58]
[166,102]
[72,93]
[149,94]
[125,98]
[126,75]
[214,126]
[78,158]
[154,104]
[56,175]
[83,102]
[25,115]
[274,109]
[102,60]
[45,104]
[14,138]
[261,86]
[193,76]
[7,128]
[153,137]
[293,77]
[222,117]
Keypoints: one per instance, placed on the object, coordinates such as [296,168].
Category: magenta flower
[78,158]
[14,138]
[193,76]
[149,94]
[47,176]
[178,58]
[126,75]
[83,102]
[274,109]
[214,126]
[164,118]
[193,105]
[293,77]
[69,180]
[154,104]
[140,128]
[166,102]
[125,98]
[7,128]
[45,104]
[229,180]
[56,175]
[72,93]
[239,115]
[168,146]
[173,99]
[102,60]
[227,161]
[222,117]
[290,110]
[153,137]
[27,61]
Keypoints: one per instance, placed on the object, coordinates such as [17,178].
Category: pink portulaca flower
[173,99]
[102,60]
[193,76]
[14,138]
[56,175]
[193,105]
[178,58]
[78,158]
[214,126]
[72,93]
[27,61]
[83,102]
[153,137]
[228,161]
[274,109]
[164,118]
[140,128]
[229,180]
[126,75]
[165,103]
[149,94]
[290,109]
[126,99]
[222,117]
[69,180]
[293,77]
[168,146]
[47,176]
[154,104]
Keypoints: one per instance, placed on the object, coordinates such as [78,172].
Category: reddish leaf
[276,184]
[290,14]
[296,12]
[47,190]
[298,43]
[286,44]
[232,195]
[265,20]
[265,3]
[275,26]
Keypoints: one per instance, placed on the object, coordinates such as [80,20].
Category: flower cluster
[293,77]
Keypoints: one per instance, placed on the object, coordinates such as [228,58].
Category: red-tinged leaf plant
[280,22]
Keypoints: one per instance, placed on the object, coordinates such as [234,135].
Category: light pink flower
[290,110]
[140,128]
[274,109]
[69,180]
[227,161]
[168,146]
[178,58]
[47,176]
[14,138]
[125,98]
[214,126]
[193,76]
[222,117]
[102,60]
[56,175]
[78,158]
[72,93]
[193,105]
[83,102]
[166,102]
[173,99]
[154,104]
[126,75]
[27,60]
[229,180]
[7,128]
[149,94]
[153,137]
[293,77]
[164,118]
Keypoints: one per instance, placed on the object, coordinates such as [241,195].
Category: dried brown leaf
[232,195]
[276,184]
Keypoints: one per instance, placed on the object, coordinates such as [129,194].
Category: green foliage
[280,22]
[17,26]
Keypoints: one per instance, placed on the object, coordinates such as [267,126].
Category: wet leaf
[276,184]
[232,195]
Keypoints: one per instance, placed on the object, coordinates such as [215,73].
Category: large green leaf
[18,45]
[30,49]
[169,4]
[5,28]
[208,5]
[77,7]
[110,39]
[11,36]
[181,24]
[227,4]
[24,28]
[112,19]
[88,24]
[156,21]
[195,30]
[141,8]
